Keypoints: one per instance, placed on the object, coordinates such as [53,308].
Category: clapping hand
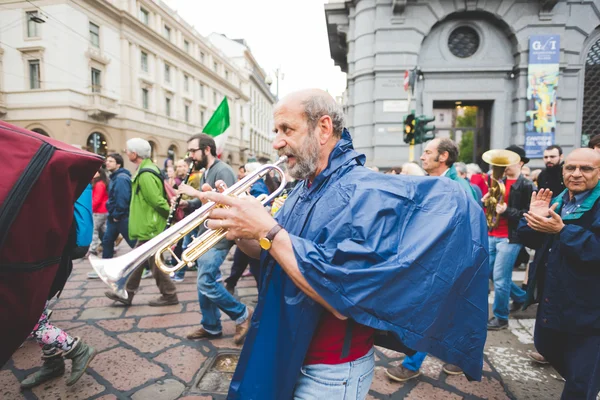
[541,217]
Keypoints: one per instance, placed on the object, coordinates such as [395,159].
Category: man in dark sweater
[212,295]
[551,178]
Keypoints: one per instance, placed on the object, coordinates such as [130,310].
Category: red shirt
[501,231]
[326,345]
[99,198]
[481,181]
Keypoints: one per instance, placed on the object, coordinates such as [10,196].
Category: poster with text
[542,83]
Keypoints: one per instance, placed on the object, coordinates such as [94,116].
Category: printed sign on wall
[542,83]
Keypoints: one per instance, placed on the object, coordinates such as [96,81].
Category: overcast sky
[287,34]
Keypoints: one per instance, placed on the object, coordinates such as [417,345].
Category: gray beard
[306,164]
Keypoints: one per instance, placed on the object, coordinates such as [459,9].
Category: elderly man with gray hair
[147,218]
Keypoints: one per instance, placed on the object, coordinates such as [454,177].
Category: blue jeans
[347,381]
[213,295]
[187,239]
[415,361]
[113,228]
[502,260]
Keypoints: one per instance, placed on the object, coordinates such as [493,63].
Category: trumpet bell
[501,158]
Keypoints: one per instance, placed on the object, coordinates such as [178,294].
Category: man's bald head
[585,154]
[581,170]
[315,103]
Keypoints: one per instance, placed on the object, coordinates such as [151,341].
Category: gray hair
[473,168]
[252,166]
[461,167]
[410,168]
[317,106]
[139,146]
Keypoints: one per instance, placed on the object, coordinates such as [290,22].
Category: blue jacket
[119,194]
[259,187]
[565,274]
[381,249]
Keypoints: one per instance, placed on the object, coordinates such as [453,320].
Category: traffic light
[422,131]
[409,127]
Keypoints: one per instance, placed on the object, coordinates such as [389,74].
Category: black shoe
[496,324]
[516,306]
[114,297]
[230,289]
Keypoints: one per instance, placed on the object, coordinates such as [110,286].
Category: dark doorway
[468,123]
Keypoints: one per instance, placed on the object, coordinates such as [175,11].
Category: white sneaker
[147,274]
[177,279]
[92,275]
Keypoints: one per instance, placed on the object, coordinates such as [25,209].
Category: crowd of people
[553,213]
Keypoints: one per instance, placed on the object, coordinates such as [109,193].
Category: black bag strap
[158,175]
[347,339]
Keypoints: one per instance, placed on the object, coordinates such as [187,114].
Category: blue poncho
[401,254]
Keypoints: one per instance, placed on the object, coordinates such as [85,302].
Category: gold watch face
[265,243]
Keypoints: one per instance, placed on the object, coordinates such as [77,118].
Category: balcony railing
[102,107]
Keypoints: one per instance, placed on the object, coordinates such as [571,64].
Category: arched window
[153,151]
[96,143]
[40,131]
[591,95]
[173,153]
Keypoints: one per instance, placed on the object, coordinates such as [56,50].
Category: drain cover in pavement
[216,376]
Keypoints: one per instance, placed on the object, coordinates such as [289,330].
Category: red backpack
[40,180]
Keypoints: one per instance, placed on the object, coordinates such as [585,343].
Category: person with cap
[504,244]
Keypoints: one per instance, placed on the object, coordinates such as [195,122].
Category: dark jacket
[359,241]
[552,179]
[565,274]
[218,171]
[119,194]
[518,204]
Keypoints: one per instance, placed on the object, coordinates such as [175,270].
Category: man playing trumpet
[347,255]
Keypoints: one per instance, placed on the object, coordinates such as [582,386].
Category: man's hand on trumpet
[243,217]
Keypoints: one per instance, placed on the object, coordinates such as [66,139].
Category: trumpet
[115,272]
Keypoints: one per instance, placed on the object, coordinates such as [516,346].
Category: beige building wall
[136,41]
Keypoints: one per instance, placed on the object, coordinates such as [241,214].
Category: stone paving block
[188,296]
[67,325]
[196,398]
[147,342]
[141,311]
[94,292]
[186,287]
[66,314]
[9,386]
[228,327]
[107,397]
[488,388]
[382,384]
[184,361]
[193,306]
[246,282]
[79,277]
[169,389]
[94,337]
[95,284]
[66,303]
[70,294]
[169,321]
[117,325]
[29,356]
[102,313]
[57,388]
[425,391]
[73,285]
[124,369]
[184,330]
[101,302]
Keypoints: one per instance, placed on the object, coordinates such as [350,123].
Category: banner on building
[542,83]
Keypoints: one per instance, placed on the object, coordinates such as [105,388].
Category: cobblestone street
[143,353]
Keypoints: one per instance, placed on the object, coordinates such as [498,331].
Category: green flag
[219,122]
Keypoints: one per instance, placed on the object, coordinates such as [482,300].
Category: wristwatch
[267,241]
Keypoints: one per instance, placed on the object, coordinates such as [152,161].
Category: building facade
[468,53]
[95,73]
[258,112]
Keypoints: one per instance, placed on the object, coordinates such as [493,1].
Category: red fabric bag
[40,180]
